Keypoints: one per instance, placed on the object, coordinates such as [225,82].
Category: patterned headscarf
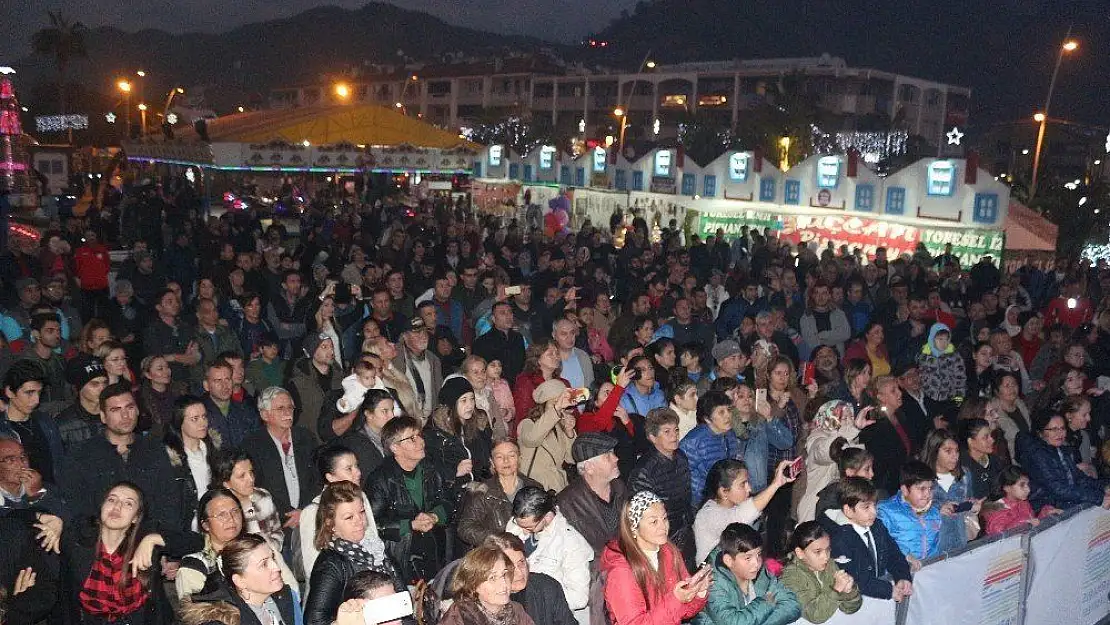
[832,414]
[639,504]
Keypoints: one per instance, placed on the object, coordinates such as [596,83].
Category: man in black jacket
[592,503]
[502,342]
[665,471]
[282,457]
[94,466]
[409,503]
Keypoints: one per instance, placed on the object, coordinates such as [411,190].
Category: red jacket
[627,604]
[1013,514]
[602,419]
[93,264]
[1057,311]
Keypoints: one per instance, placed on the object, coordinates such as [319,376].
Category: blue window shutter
[637,181]
[689,184]
[865,197]
[710,186]
[514,171]
[792,192]
[580,177]
[477,169]
[986,208]
[896,201]
[620,179]
[527,173]
[564,174]
[767,190]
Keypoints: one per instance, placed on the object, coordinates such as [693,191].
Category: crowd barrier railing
[1056,573]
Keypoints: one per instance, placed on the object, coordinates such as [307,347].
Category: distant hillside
[1003,49]
[248,61]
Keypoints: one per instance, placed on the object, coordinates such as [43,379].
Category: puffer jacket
[1054,479]
[916,535]
[943,376]
[703,448]
[628,605]
[486,509]
[815,593]
[728,606]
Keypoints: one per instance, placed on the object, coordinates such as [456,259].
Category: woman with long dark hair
[253,591]
[458,441]
[541,363]
[647,581]
[178,471]
[233,470]
[112,564]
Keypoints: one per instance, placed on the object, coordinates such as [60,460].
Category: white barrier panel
[1070,566]
[872,612]
[982,586]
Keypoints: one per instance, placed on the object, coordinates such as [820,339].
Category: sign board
[862,232]
[663,184]
[991,583]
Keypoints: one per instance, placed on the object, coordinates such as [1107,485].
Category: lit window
[663,163]
[738,167]
[828,172]
[942,178]
[547,157]
[599,159]
[495,153]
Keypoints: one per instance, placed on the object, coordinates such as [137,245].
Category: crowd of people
[519,426]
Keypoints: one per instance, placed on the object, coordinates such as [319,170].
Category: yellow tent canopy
[329,125]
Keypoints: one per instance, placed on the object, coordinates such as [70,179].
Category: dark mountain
[1003,49]
[246,62]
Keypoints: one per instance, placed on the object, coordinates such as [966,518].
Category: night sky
[560,20]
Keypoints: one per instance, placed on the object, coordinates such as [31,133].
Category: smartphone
[796,467]
[963,506]
[512,290]
[809,373]
[700,574]
[580,395]
[388,608]
[761,399]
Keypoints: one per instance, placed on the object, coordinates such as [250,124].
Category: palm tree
[64,40]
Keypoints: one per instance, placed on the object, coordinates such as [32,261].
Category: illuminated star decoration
[954,136]
[171,119]
[111,117]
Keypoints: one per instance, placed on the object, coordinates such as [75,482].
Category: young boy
[267,370]
[861,545]
[910,516]
[942,367]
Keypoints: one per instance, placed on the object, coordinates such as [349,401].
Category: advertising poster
[855,231]
[1068,567]
[992,574]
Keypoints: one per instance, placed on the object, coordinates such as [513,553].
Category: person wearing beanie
[80,421]
[314,377]
[458,440]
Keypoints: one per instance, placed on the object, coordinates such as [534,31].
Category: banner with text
[1070,564]
[866,233]
[990,574]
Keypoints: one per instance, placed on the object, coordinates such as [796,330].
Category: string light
[60,123]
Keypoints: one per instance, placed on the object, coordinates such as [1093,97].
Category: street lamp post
[1069,45]
[142,118]
[623,116]
[125,88]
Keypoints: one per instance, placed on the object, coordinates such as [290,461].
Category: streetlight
[125,88]
[342,91]
[650,65]
[1069,45]
[784,163]
[620,113]
[142,113]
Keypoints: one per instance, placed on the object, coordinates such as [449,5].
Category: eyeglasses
[226,516]
[411,437]
[1055,428]
[15,458]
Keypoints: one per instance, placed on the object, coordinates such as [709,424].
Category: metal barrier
[1057,572]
